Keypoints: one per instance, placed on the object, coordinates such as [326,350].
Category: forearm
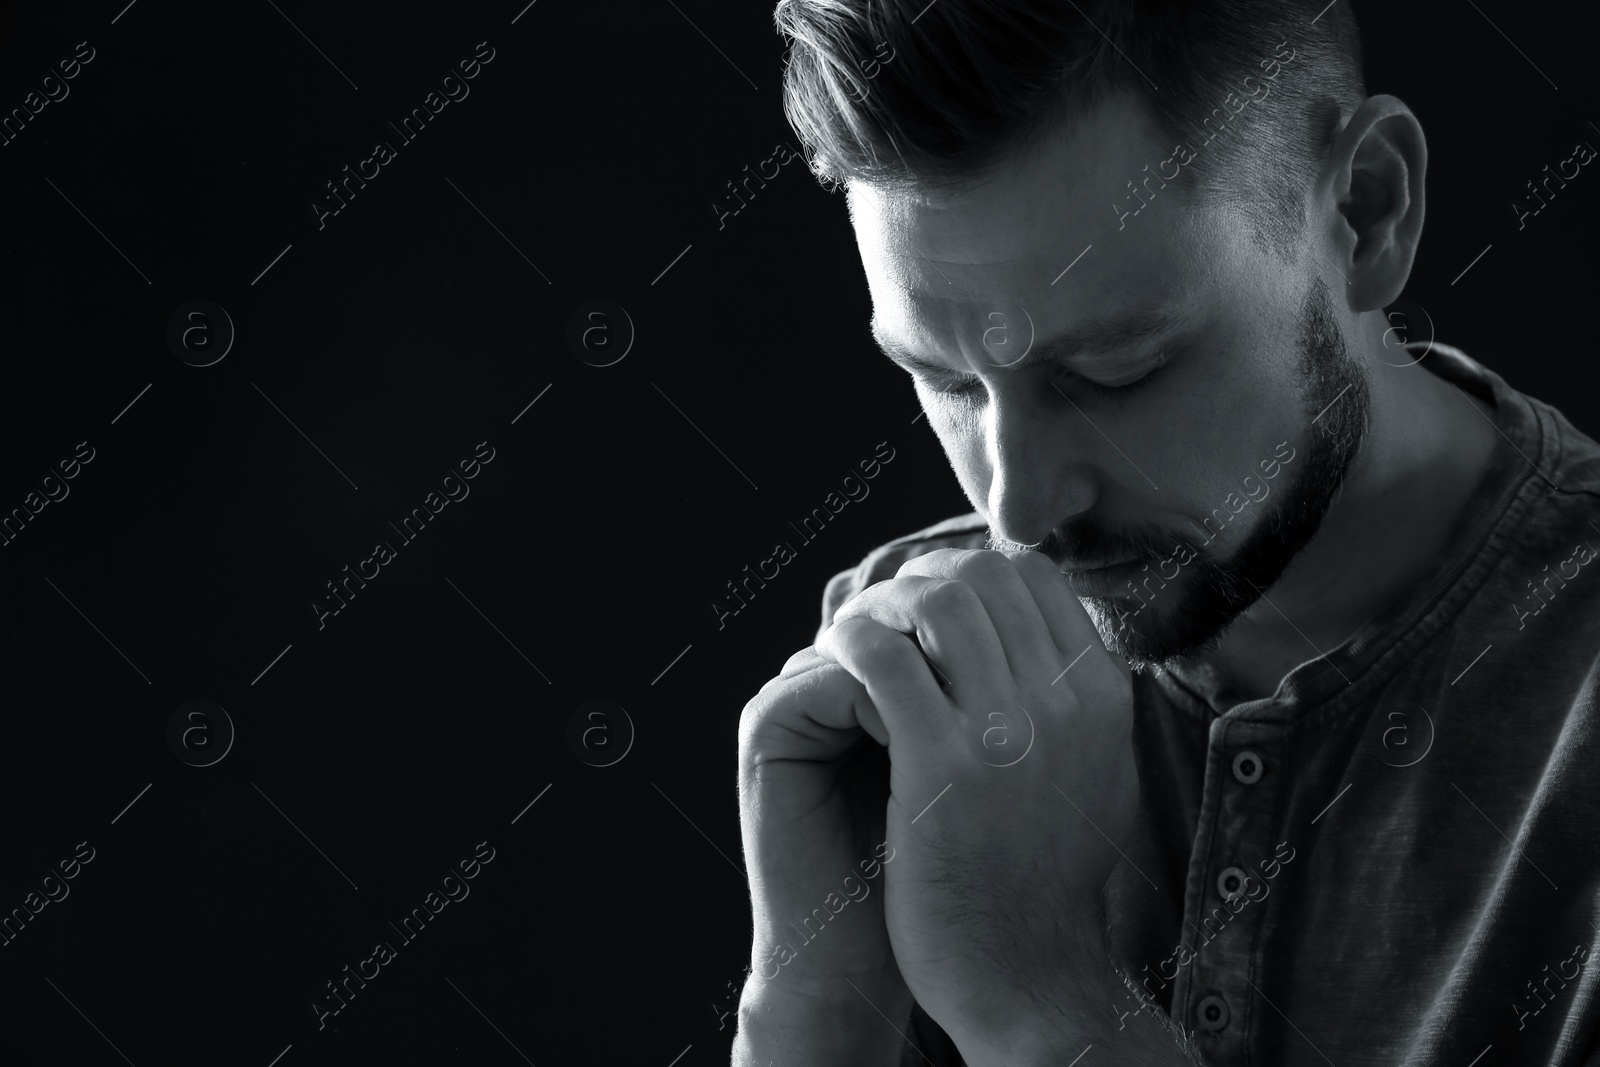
[783,1026]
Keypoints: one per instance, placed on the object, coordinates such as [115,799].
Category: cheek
[1203,445]
[1183,439]
[962,437]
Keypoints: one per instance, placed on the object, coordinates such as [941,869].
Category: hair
[956,87]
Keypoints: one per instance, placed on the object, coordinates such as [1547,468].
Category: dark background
[377,751]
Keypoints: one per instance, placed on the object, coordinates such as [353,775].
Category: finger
[950,624]
[802,661]
[885,661]
[1064,616]
[1007,599]
[1070,627]
[812,710]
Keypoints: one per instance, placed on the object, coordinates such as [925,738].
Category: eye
[969,389]
[1123,389]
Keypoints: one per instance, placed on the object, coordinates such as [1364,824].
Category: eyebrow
[1115,333]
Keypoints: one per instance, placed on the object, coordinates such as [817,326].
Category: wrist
[823,1021]
[1098,1009]
[1048,1019]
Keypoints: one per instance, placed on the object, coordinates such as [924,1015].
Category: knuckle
[945,598]
[794,661]
[880,647]
[855,604]
[768,703]
[936,562]
[763,716]
[916,565]
[870,588]
[982,563]
[754,710]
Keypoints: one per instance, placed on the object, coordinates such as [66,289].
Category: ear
[1375,174]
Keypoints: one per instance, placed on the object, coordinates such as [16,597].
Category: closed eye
[1125,389]
[967,387]
[961,387]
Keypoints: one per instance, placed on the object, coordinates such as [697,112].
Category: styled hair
[932,95]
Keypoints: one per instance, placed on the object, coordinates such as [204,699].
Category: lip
[1095,567]
[1103,581]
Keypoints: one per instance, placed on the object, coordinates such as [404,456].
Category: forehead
[1046,234]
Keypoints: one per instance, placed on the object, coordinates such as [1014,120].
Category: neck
[1426,450]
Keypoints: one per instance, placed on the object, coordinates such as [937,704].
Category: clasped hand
[1012,783]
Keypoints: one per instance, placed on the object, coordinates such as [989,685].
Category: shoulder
[1566,458]
[961,531]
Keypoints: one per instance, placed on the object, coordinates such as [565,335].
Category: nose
[1038,476]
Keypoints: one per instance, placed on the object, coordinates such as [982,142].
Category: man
[1250,716]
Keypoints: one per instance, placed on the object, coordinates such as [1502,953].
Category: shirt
[1416,810]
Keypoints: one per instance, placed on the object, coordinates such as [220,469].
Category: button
[1247,767]
[1212,1013]
[1230,883]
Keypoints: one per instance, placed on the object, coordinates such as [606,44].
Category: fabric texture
[1417,808]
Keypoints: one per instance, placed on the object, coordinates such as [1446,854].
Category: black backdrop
[373,354]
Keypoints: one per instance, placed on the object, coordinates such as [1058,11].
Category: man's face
[1214,470]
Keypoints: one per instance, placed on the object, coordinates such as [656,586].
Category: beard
[1188,615]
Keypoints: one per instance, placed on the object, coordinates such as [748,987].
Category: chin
[1146,636]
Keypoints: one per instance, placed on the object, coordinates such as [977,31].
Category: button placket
[1242,804]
